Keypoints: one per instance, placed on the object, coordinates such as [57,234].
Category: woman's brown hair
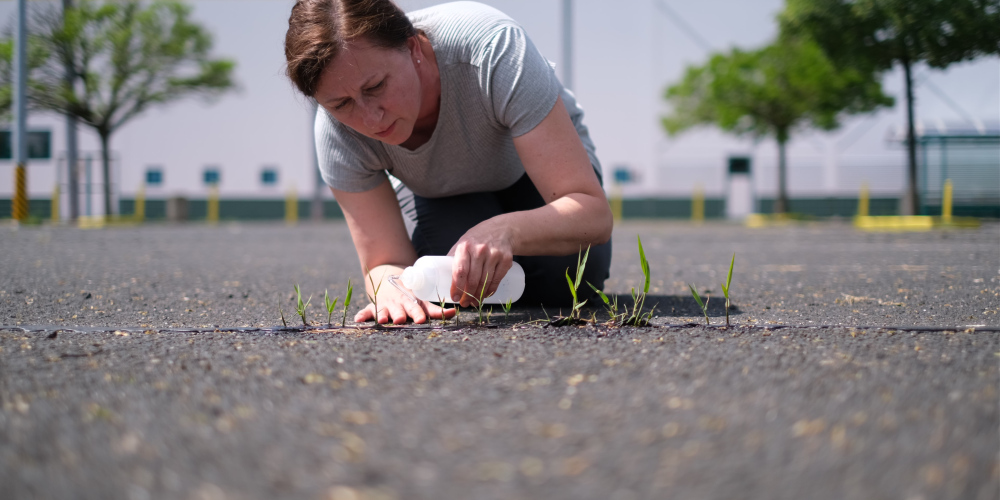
[319,29]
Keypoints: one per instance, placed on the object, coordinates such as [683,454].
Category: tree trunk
[911,198]
[781,204]
[106,170]
[73,177]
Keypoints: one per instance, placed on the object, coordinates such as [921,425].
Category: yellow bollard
[616,203]
[698,205]
[139,214]
[55,204]
[19,210]
[946,201]
[212,211]
[863,201]
[292,207]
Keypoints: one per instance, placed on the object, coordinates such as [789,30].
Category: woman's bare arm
[384,249]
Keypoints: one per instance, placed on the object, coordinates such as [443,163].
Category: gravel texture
[857,366]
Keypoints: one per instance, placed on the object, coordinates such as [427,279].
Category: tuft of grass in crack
[479,300]
[374,295]
[347,301]
[574,288]
[637,317]
[506,308]
[574,285]
[611,305]
[282,313]
[444,319]
[726,285]
[702,304]
[330,306]
[300,307]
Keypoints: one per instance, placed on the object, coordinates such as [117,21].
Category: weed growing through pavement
[479,300]
[611,305]
[301,307]
[444,319]
[330,306]
[506,309]
[347,302]
[374,295]
[574,285]
[282,313]
[701,304]
[725,286]
[637,317]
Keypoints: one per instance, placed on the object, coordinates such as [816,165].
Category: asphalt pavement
[150,362]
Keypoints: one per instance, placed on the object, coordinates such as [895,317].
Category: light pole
[20,208]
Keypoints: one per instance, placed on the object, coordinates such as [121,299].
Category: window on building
[212,176]
[39,145]
[154,176]
[269,176]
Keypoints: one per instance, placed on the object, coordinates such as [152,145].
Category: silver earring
[418,61]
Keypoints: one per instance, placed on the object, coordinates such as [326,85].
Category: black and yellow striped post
[20,208]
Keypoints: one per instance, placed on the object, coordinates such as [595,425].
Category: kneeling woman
[488,156]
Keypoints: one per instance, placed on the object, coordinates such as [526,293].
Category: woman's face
[373,90]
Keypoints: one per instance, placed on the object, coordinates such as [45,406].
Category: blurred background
[250,149]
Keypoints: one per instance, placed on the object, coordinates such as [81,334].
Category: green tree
[771,92]
[127,56]
[874,35]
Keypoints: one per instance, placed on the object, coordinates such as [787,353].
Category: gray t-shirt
[495,86]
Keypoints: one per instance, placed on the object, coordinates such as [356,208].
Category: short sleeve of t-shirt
[518,84]
[347,161]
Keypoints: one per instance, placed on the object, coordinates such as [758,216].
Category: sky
[626,53]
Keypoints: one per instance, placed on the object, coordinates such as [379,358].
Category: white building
[258,140]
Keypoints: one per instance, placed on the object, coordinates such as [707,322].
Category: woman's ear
[416,51]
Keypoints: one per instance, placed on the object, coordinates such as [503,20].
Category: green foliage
[126,56]
[610,305]
[300,307]
[330,306]
[506,309]
[637,317]
[282,313]
[727,284]
[574,284]
[479,300]
[874,35]
[374,295]
[702,304]
[347,301]
[441,303]
[771,92]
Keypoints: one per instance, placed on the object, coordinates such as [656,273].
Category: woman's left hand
[483,255]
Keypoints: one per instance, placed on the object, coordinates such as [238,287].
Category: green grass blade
[580,266]
[645,266]
[599,293]
[569,281]
[729,279]
[697,298]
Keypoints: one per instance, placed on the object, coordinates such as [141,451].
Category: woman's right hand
[393,304]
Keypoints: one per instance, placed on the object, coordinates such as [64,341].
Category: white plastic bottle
[430,279]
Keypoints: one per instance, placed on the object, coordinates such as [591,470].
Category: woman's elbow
[604,223]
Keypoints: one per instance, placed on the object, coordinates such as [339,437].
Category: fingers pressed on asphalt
[416,312]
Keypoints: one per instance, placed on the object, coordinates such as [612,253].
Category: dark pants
[440,222]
